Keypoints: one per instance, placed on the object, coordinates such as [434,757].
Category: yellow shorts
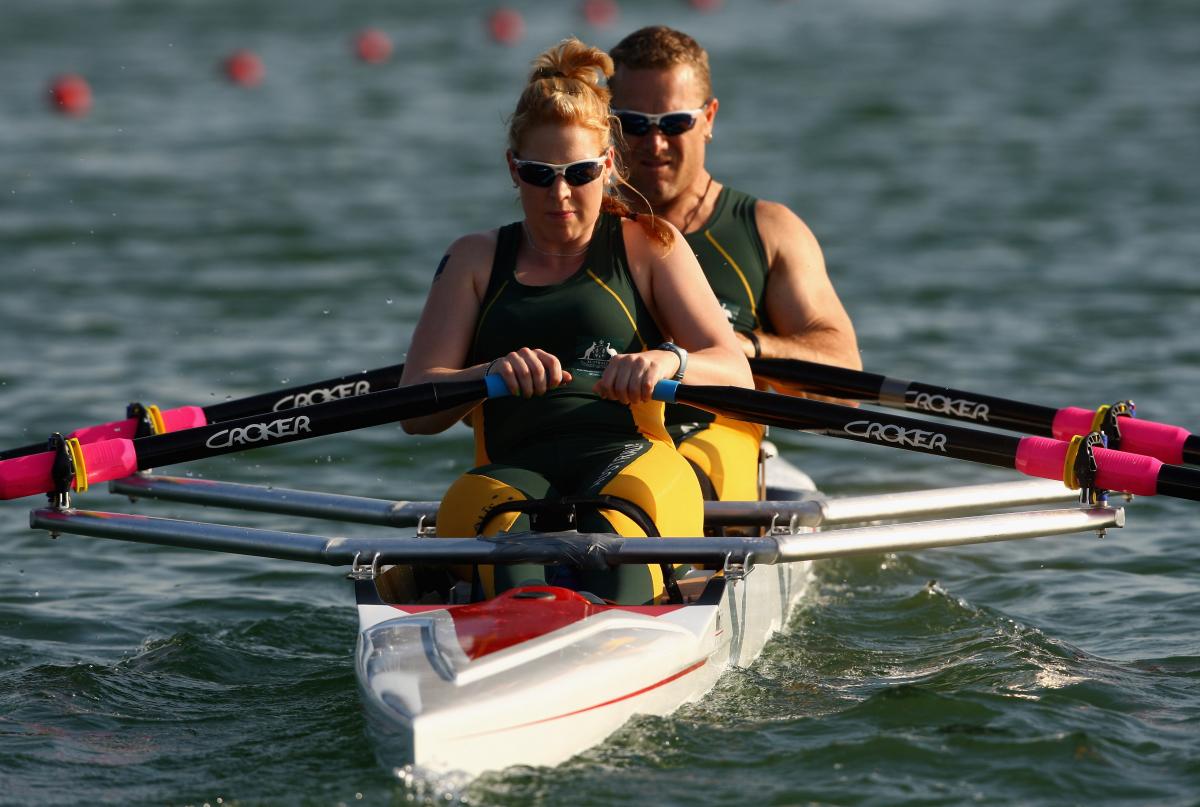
[650,473]
[726,451]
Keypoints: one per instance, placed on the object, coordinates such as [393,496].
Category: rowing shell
[539,674]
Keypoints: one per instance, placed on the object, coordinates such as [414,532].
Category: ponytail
[655,228]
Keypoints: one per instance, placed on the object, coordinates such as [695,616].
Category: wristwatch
[681,353]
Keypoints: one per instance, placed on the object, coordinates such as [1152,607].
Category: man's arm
[809,320]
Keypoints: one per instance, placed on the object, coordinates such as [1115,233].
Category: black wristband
[681,354]
[757,344]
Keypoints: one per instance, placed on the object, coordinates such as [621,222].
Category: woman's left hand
[630,377]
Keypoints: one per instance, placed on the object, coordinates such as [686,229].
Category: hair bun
[572,60]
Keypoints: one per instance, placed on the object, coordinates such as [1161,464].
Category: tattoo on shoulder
[441,268]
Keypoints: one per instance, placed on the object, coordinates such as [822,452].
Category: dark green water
[1008,198]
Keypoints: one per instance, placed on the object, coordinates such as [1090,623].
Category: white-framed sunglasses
[669,123]
[576,174]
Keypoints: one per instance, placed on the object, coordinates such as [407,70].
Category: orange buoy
[243,67]
[372,46]
[71,95]
[600,13]
[506,25]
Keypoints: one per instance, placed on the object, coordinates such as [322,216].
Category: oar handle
[665,390]
[496,388]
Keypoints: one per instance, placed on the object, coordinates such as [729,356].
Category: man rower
[759,257]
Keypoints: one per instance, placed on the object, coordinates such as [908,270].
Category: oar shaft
[1171,444]
[188,417]
[914,396]
[848,423]
[1034,456]
[331,389]
[112,459]
[332,417]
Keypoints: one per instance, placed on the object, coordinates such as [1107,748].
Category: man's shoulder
[774,213]
[776,218]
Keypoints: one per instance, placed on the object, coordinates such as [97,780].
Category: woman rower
[581,308]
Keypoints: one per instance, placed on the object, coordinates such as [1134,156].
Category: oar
[189,417]
[1172,444]
[111,459]
[1042,457]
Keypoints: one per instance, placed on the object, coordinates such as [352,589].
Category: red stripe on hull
[602,704]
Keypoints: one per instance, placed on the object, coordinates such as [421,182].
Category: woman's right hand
[530,371]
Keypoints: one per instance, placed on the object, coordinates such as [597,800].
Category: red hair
[566,89]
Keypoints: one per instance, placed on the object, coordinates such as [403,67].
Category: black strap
[707,489]
[558,514]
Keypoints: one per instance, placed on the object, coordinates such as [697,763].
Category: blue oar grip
[496,388]
[665,390]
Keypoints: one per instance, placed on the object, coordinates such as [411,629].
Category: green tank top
[594,314]
[733,259]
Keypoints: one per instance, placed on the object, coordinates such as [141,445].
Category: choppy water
[1007,197]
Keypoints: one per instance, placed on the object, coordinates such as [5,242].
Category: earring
[708,137]
[514,184]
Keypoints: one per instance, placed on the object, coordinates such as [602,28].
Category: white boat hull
[544,700]
[443,697]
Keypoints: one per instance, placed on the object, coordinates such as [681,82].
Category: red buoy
[373,46]
[71,95]
[506,26]
[705,5]
[600,13]
[245,68]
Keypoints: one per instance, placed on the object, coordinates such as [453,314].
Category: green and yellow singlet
[732,256]
[570,442]
[592,315]
[733,259]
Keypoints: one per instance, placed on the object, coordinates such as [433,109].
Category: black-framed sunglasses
[669,123]
[576,174]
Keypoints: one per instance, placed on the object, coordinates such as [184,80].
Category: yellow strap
[81,480]
[741,275]
[1069,464]
[157,424]
[621,303]
[1098,420]
[483,314]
